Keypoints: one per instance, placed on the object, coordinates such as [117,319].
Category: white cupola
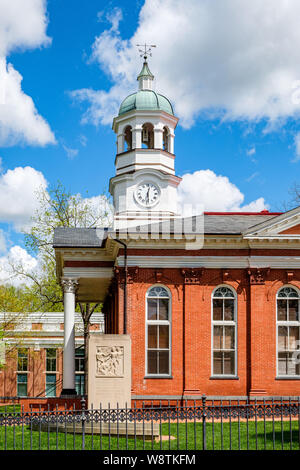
[145,183]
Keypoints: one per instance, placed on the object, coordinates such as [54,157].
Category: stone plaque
[109,371]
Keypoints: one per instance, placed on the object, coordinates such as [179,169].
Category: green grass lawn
[188,438]
[10,409]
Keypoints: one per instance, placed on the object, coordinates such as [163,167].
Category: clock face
[147,194]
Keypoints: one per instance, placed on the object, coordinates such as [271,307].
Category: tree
[15,303]
[295,195]
[59,208]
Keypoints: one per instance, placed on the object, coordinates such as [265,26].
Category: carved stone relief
[110,361]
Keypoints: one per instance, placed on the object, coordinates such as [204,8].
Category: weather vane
[146,51]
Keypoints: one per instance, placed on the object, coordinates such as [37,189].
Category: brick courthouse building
[212,311]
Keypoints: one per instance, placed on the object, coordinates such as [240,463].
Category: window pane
[152,309]
[229,309]
[294,336]
[164,337]
[79,384]
[229,363]
[282,310]
[291,365]
[22,359]
[79,360]
[282,338]
[163,362]
[293,310]
[229,337]
[22,385]
[51,359]
[152,336]
[163,309]
[50,385]
[218,337]
[152,362]
[282,363]
[217,309]
[217,363]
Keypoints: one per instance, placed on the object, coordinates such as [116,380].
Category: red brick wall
[36,374]
[191,334]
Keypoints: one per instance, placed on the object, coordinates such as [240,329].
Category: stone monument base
[139,430]
[109,371]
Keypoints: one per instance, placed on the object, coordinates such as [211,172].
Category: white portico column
[69,287]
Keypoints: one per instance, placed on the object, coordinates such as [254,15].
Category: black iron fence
[165,425]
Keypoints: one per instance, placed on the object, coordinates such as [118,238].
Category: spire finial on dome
[145,77]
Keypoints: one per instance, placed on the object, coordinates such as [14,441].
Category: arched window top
[158,292]
[288,292]
[223,292]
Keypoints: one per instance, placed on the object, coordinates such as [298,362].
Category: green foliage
[57,208]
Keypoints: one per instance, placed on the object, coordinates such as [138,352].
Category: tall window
[22,366]
[288,329]
[79,371]
[224,332]
[158,333]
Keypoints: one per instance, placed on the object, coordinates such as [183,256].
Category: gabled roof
[250,225]
[277,226]
[210,223]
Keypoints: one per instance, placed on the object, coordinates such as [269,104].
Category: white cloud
[71,153]
[19,119]
[231,59]
[215,193]
[251,151]
[18,189]
[297,148]
[18,257]
[23,25]
[2,242]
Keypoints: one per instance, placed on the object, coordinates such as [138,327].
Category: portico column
[69,287]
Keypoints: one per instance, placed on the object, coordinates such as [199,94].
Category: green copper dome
[146,100]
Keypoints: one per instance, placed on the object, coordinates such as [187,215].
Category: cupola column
[120,143]
[158,138]
[137,137]
[171,142]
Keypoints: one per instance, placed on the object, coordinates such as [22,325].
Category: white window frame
[159,322]
[224,323]
[286,324]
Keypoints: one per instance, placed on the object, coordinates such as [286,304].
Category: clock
[147,194]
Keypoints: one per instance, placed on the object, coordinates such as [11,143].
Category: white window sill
[287,377]
[224,377]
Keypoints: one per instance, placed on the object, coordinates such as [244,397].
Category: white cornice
[274,262]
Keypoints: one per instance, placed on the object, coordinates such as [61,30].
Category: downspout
[125,284]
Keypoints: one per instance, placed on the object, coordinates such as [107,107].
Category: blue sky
[91,46]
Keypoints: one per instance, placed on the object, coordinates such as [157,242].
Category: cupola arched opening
[166,139]
[148,135]
[128,138]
